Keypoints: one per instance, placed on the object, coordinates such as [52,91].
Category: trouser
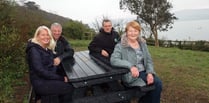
[154,95]
[56,89]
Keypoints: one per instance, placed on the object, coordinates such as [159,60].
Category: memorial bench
[96,82]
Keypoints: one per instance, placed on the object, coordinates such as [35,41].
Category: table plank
[88,71]
[90,65]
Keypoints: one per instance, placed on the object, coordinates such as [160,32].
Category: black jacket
[104,40]
[64,52]
[41,65]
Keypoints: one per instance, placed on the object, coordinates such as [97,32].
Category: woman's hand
[150,79]
[57,61]
[134,72]
[65,79]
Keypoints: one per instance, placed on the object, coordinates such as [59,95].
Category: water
[187,30]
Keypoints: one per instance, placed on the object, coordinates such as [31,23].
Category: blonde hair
[133,24]
[51,44]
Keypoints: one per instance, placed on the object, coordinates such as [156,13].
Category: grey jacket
[125,56]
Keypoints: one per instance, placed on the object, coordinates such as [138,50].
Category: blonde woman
[43,75]
[132,53]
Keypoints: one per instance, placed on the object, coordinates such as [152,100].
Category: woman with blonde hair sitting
[42,71]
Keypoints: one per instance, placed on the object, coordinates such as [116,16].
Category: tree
[119,26]
[75,29]
[32,5]
[6,7]
[97,25]
[154,13]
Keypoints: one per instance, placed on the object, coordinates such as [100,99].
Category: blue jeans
[154,95]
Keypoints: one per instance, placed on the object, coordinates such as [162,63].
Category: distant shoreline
[193,30]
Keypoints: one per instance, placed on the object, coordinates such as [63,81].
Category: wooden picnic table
[89,72]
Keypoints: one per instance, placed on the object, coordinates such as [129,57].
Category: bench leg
[32,96]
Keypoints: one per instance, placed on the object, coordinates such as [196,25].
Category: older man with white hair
[64,52]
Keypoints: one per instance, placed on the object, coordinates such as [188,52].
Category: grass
[184,74]
[79,45]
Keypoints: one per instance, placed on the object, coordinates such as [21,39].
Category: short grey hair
[56,25]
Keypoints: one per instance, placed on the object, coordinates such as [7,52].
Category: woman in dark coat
[43,75]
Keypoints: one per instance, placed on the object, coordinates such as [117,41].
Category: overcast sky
[89,10]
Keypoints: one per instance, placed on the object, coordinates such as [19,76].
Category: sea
[190,30]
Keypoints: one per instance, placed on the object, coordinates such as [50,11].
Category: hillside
[42,15]
[27,17]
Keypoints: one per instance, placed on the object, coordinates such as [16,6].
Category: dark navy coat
[41,66]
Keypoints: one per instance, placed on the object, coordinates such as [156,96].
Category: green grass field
[184,73]
[79,45]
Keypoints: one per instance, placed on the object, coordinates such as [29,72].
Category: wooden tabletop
[88,70]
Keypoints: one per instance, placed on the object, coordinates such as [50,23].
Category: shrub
[12,62]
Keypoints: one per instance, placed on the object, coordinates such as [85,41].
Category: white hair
[56,25]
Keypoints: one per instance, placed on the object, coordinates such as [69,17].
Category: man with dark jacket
[64,52]
[102,46]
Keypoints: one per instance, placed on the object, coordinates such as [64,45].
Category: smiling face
[132,33]
[43,38]
[133,30]
[56,31]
